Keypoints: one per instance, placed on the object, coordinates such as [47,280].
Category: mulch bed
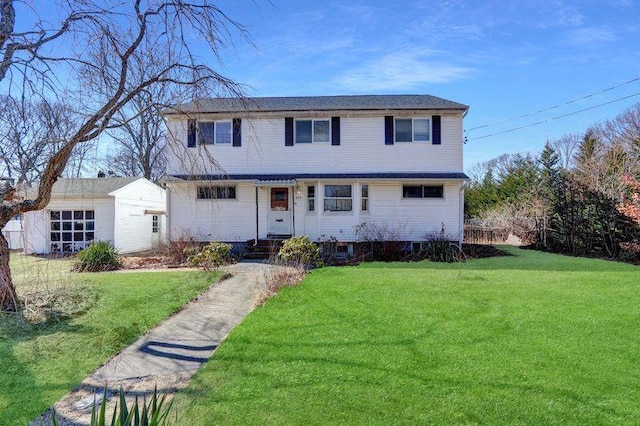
[480,251]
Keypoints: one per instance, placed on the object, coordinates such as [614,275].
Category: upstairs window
[217,192]
[412,130]
[338,198]
[312,131]
[422,191]
[214,132]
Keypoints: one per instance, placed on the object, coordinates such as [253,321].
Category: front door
[280,212]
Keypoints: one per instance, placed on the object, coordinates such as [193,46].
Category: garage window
[71,230]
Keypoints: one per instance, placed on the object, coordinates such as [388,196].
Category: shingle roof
[318,103]
[89,186]
[301,176]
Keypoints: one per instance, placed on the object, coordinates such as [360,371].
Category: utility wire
[556,118]
[556,106]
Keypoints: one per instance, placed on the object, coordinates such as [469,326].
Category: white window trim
[368,198]
[403,198]
[235,187]
[199,140]
[75,245]
[428,141]
[314,198]
[313,137]
[338,212]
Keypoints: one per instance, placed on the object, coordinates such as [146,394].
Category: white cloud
[589,36]
[403,70]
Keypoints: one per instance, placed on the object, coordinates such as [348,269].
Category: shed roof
[100,187]
[318,103]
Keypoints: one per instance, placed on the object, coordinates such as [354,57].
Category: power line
[556,118]
[556,106]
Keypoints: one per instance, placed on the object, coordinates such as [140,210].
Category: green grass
[41,363]
[533,338]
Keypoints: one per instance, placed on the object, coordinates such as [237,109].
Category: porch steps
[265,248]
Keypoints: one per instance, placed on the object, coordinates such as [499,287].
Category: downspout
[461,215]
[257,220]
[167,224]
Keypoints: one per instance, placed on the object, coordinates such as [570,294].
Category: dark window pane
[55,226]
[421,130]
[311,191]
[312,204]
[223,132]
[89,236]
[78,226]
[403,130]
[226,192]
[66,247]
[66,226]
[303,131]
[365,191]
[55,215]
[66,236]
[412,191]
[337,204]
[321,131]
[78,215]
[66,215]
[90,226]
[206,132]
[88,215]
[337,191]
[55,236]
[78,236]
[433,191]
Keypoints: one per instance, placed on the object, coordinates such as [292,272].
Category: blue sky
[502,58]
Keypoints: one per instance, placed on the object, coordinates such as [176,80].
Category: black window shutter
[191,133]
[288,131]
[335,130]
[237,132]
[437,133]
[388,130]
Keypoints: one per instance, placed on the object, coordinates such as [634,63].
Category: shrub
[211,256]
[177,252]
[100,256]
[383,242]
[299,250]
[441,251]
[441,247]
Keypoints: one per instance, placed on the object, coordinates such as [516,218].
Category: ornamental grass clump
[153,413]
[100,256]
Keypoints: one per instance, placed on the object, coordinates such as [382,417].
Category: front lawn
[40,363]
[533,338]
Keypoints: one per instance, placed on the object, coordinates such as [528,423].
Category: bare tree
[139,129]
[566,148]
[30,132]
[101,37]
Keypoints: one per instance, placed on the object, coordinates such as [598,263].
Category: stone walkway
[170,354]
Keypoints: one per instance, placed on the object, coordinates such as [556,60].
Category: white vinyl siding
[361,149]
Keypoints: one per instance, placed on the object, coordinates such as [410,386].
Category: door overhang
[270,183]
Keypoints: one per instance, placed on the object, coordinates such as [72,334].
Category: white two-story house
[240,170]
